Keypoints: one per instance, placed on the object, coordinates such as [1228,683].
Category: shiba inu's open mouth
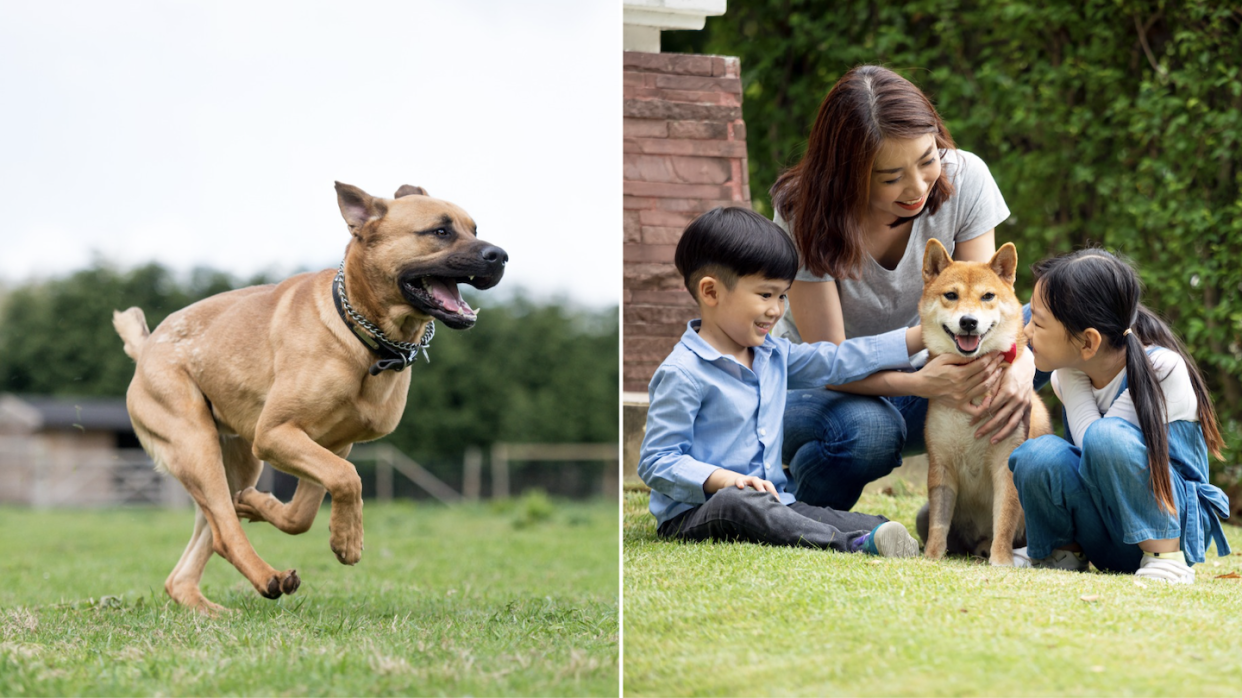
[966,343]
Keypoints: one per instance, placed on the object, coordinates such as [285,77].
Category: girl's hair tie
[1128,331]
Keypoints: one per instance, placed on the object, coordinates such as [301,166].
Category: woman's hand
[958,379]
[1009,402]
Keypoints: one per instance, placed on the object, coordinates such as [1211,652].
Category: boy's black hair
[1092,288]
[729,243]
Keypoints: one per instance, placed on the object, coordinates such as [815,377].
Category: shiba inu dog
[970,309]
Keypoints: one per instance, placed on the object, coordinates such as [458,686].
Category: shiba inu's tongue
[446,294]
[967,342]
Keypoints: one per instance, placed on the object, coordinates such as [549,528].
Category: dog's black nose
[494,255]
[968,324]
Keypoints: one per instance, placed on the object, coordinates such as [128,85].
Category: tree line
[527,372]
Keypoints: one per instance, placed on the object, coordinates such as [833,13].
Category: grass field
[474,600]
[739,619]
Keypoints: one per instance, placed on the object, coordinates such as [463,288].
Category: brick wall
[685,153]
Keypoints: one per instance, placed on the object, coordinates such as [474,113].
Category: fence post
[500,471]
[472,473]
[383,475]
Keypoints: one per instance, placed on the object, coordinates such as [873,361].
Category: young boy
[712,450]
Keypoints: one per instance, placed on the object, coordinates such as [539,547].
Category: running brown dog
[288,374]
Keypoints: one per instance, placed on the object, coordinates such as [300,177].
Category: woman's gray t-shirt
[882,300]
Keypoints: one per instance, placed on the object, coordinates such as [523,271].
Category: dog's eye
[950,296]
[989,296]
[441,232]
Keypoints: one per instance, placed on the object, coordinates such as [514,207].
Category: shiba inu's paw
[1058,560]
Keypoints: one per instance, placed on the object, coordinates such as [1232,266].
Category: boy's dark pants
[758,517]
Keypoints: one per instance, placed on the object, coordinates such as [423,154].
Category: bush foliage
[527,372]
[1106,122]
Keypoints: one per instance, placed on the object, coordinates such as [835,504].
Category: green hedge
[1104,122]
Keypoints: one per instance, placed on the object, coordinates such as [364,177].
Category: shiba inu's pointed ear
[935,260]
[409,190]
[1005,262]
[357,206]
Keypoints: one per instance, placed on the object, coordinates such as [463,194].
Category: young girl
[1127,489]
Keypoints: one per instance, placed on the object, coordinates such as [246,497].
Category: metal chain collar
[409,348]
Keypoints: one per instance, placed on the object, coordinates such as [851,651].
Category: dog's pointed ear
[410,190]
[1005,262]
[935,259]
[357,206]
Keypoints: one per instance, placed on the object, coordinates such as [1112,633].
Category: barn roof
[47,413]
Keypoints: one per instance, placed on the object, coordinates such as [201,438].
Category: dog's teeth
[472,278]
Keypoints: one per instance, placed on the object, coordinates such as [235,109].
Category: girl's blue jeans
[1100,495]
[835,443]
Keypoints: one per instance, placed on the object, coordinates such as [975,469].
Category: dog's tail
[132,326]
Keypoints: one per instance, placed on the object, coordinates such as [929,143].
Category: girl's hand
[1008,404]
[958,379]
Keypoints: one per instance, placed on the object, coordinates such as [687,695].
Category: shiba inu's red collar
[1010,355]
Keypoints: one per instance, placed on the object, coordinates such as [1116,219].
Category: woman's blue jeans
[835,443]
[1100,496]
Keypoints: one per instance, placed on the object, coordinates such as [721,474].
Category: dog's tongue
[967,342]
[447,295]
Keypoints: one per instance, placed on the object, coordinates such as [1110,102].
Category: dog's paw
[247,504]
[345,537]
[272,590]
[290,582]
[346,550]
[280,583]
[191,597]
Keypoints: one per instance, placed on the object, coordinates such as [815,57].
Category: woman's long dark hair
[825,196]
[1093,288]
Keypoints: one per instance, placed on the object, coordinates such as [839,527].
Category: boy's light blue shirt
[709,411]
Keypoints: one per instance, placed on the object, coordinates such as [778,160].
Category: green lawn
[472,600]
[739,619]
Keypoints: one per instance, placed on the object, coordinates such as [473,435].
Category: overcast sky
[210,133]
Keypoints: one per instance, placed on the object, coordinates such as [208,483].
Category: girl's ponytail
[1154,332]
[1151,408]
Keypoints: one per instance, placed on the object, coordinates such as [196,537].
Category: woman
[881,176]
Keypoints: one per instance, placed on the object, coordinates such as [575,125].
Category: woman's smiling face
[903,175]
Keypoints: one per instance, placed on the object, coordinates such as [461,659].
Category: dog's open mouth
[967,344]
[439,297]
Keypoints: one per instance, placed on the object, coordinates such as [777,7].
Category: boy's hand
[756,482]
[722,478]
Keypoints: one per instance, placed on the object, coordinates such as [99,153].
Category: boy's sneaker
[1058,560]
[889,539]
[1166,567]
